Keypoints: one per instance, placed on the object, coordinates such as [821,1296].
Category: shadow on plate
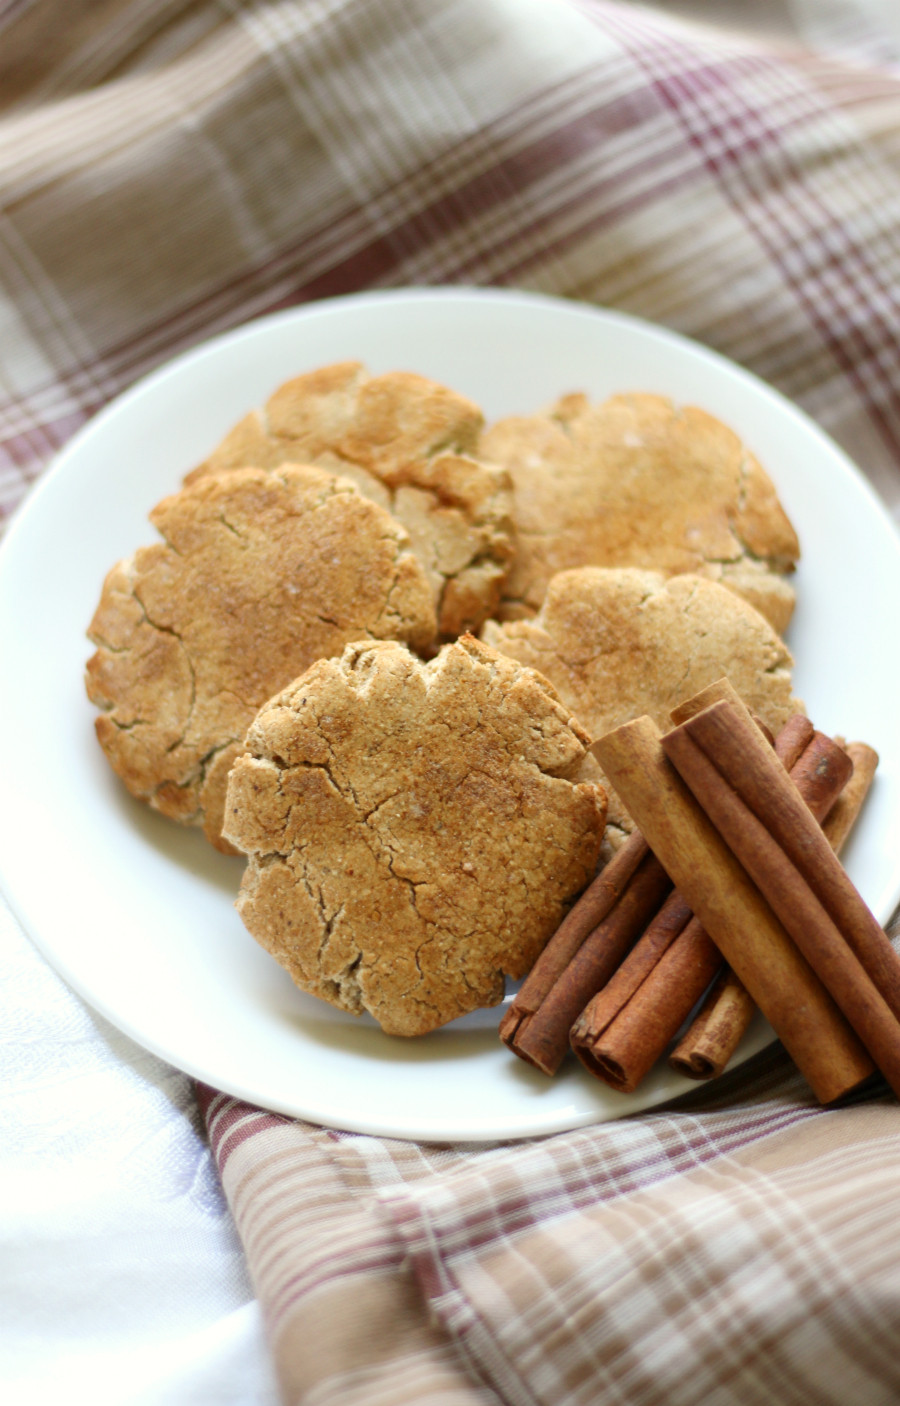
[182,845]
[469,1037]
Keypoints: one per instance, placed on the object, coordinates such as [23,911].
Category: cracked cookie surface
[258,574]
[414,830]
[616,644]
[410,444]
[638,481]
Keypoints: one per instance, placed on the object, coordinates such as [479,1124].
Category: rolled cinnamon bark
[771,832]
[840,819]
[744,928]
[627,1026]
[820,774]
[663,929]
[584,916]
[793,739]
[622,1051]
[716,1031]
[750,773]
[542,1038]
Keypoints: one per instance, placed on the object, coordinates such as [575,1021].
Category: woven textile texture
[170,170]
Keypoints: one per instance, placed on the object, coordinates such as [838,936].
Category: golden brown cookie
[415,830]
[617,644]
[409,444]
[638,481]
[258,574]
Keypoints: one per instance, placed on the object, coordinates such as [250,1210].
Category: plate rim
[155,380]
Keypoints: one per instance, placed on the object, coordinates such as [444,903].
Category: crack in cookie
[258,574]
[616,644]
[437,811]
[638,481]
[409,444]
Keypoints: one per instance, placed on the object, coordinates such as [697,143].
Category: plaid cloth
[170,169]
[740,1250]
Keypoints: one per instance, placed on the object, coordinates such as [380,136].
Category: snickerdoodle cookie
[638,481]
[258,575]
[616,644]
[414,830]
[410,444]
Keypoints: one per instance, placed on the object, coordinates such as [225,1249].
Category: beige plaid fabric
[741,1249]
[170,168]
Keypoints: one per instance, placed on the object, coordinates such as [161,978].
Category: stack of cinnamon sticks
[727,1010]
[733,821]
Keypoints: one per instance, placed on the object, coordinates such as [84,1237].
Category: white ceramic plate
[137,914]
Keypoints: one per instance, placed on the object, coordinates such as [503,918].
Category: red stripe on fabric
[592,1182]
[230,1123]
[373,262]
[207,1098]
[230,1139]
[814,231]
[31,446]
[680,87]
[326,1269]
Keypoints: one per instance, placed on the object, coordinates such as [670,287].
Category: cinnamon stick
[750,773]
[821,773]
[840,819]
[584,916]
[792,740]
[774,837]
[667,926]
[736,916]
[793,737]
[626,1027]
[621,1046]
[542,1037]
[716,1030]
[710,1041]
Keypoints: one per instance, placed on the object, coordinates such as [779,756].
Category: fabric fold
[172,170]
[748,1277]
[344,1315]
[706,1250]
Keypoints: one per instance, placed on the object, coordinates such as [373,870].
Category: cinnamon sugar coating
[258,575]
[639,481]
[414,830]
[616,644]
[409,444]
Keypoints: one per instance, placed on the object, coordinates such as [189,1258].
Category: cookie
[409,444]
[638,481]
[414,830]
[258,575]
[616,644]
